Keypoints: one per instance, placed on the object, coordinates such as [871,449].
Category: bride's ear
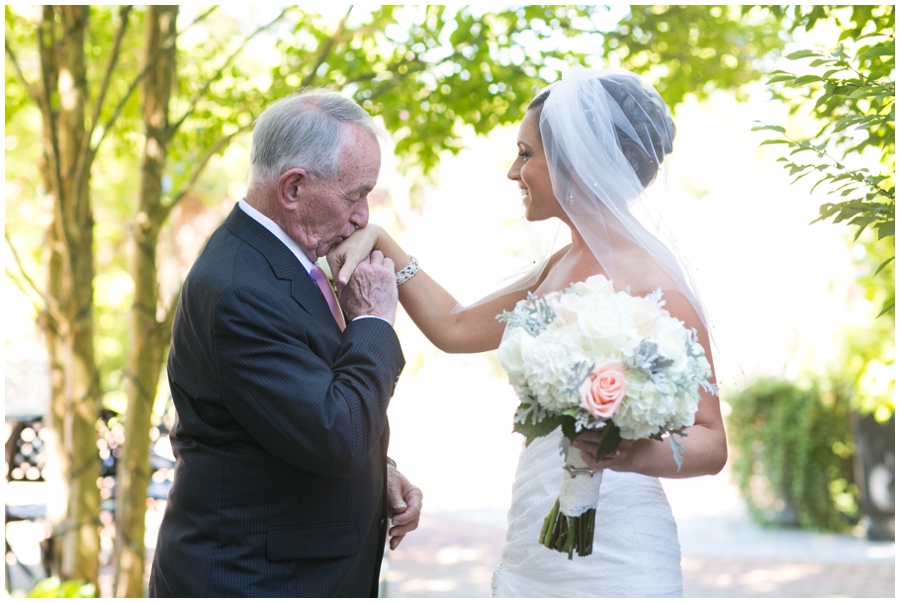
[290,188]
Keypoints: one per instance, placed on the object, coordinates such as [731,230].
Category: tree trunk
[69,328]
[148,334]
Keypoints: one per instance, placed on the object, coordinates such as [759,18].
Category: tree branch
[325,50]
[201,165]
[48,63]
[50,307]
[414,66]
[201,17]
[136,82]
[202,92]
[124,12]
[101,96]
[20,75]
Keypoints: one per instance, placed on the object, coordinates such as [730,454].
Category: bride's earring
[570,198]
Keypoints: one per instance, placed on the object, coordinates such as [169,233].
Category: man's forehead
[360,161]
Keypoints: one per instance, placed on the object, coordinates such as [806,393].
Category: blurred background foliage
[794,441]
[850,91]
[795,446]
[429,74]
[52,588]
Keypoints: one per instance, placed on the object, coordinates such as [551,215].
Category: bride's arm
[434,310]
[705,446]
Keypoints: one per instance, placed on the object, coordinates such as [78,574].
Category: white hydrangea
[511,352]
[644,412]
[591,324]
[548,368]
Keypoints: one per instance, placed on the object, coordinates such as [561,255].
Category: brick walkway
[453,554]
[451,557]
[445,557]
[743,577]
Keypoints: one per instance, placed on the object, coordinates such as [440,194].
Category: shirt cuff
[372,316]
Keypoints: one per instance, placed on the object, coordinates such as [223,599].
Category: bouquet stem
[569,534]
[549,521]
[569,527]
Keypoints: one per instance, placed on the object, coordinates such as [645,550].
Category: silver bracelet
[409,271]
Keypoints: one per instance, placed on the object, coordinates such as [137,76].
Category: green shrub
[52,588]
[792,449]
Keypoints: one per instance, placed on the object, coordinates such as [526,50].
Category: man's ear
[290,188]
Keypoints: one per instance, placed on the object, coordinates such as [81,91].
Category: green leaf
[862,220]
[536,430]
[879,50]
[807,79]
[610,439]
[884,264]
[568,428]
[779,129]
[802,54]
[860,93]
[780,78]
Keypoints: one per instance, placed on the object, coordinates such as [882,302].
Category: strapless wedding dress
[636,551]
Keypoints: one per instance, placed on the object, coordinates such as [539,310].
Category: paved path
[454,554]
[724,554]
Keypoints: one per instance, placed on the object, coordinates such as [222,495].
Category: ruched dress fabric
[636,551]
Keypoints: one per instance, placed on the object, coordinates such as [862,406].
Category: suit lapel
[284,264]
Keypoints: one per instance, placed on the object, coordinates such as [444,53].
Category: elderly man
[282,485]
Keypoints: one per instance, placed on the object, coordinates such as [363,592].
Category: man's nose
[360,217]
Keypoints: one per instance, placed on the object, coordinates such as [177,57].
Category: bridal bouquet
[593,358]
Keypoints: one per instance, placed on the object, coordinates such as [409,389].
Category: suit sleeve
[322,417]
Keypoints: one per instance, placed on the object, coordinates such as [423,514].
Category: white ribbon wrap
[581,491]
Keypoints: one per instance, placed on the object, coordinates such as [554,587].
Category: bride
[588,147]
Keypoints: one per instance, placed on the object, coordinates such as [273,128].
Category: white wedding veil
[605,134]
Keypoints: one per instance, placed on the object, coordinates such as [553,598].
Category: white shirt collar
[276,230]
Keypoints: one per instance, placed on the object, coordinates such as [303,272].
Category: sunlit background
[779,290]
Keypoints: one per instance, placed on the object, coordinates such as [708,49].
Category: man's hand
[372,289]
[344,257]
[406,505]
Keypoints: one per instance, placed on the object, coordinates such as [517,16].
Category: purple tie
[328,292]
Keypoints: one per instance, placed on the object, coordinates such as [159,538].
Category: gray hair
[304,130]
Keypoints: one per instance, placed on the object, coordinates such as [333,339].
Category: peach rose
[603,391]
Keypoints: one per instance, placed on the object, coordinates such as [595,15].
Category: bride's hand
[344,257]
[621,459]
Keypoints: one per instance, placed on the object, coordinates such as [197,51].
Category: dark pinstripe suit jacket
[282,433]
